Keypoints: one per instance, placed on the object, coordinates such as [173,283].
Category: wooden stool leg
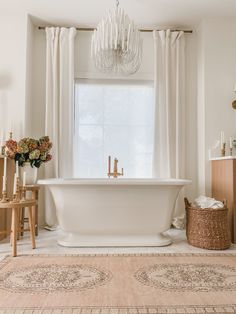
[35,212]
[19,224]
[32,227]
[14,230]
[22,221]
[12,227]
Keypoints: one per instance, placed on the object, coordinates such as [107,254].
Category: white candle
[15,184]
[17,169]
[24,178]
[209,153]
[1,140]
[230,142]
[4,184]
[11,126]
[5,167]
[222,138]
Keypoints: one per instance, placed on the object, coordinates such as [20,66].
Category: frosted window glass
[113,118]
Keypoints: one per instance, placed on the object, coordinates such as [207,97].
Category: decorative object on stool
[207,228]
[30,154]
[31,173]
[34,190]
[15,205]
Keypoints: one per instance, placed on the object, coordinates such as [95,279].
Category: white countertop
[223,158]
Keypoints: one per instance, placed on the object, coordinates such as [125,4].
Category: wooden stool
[34,189]
[16,207]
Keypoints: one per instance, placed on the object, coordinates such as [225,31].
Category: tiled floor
[47,244]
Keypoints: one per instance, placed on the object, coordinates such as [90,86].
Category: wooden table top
[20,204]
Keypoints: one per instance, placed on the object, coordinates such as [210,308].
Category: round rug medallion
[188,277]
[53,277]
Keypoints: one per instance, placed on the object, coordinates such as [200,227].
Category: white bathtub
[114,212]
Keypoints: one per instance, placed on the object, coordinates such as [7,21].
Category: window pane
[113,118]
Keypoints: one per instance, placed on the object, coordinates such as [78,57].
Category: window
[113,118]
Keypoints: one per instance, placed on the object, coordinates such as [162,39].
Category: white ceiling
[144,12]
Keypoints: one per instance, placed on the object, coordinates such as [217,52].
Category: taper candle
[5,167]
[4,184]
[17,169]
[24,179]
[15,184]
[222,139]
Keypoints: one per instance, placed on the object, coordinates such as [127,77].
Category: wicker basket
[207,228]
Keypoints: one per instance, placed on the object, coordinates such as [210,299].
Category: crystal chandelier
[116,44]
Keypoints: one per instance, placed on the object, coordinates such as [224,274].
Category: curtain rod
[89,29]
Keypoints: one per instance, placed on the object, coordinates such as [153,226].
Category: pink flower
[48,158]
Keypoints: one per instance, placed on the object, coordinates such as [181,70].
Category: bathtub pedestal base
[76,240]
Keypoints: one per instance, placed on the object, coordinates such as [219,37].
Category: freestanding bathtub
[114,212]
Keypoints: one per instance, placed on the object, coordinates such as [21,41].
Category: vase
[31,174]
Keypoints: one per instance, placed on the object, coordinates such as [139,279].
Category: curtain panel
[59,115]
[169,88]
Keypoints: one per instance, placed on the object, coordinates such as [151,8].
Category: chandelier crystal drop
[116,44]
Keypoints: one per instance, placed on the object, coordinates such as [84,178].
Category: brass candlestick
[4,192]
[4,197]
[3,150]
[223,150]
[16,196]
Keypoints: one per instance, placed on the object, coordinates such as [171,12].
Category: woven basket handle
[187,204]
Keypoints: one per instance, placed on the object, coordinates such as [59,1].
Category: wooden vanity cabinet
[224,187]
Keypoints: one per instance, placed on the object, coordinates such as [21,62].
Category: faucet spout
[115,173]
[115,165]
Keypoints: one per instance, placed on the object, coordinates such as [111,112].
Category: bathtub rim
[113,181]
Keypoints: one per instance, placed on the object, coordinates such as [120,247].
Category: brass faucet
[115,173]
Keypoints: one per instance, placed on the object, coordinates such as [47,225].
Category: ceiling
[144,12]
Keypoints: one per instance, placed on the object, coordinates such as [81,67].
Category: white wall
[191,115]
[217,77]
[29,77]
[38,74]
[13,38]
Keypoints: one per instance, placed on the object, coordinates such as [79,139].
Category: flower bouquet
[29,150]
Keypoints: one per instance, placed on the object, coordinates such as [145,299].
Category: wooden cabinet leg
[32,226]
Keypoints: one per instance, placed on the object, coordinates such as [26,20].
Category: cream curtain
[59,107]
[169,139]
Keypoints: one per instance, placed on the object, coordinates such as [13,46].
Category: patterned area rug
[118,284]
